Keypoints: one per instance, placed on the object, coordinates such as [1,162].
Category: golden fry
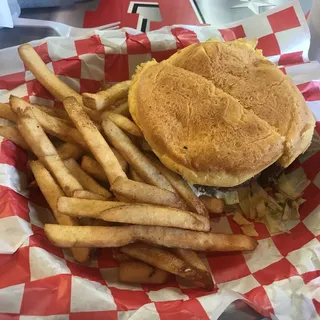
[54,112]
[213,205]
[52,192]
[94,115]
[95,141]
[123,109]
[165,260]
[49,80]
[104,85]
[121,198]
[181,187]
[84,207]
[85,194]
[101,237]
[105,99]
[144,214]
[192,258]
[249,230]
[13,134]
[7,113]
[145,193]
[124,123]
[93,168]
[123,163]
[134,156]
[55,86]
[45,151]
[119,102]
[140,272]
[51,125]
[134,176]
[69,150]
[85,180]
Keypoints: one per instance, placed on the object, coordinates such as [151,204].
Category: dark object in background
[44,3]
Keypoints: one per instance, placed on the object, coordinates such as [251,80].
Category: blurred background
[129,13]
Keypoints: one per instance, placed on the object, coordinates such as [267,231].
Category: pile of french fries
[105,191]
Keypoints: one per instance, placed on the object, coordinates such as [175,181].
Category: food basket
[281,278]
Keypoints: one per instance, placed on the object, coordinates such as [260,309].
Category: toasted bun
[241,71]
[198,130]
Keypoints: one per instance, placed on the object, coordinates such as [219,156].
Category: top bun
[219,113]
[258,84]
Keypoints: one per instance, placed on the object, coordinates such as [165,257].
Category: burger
[220,114]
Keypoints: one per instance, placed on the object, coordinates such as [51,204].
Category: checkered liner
[281,277]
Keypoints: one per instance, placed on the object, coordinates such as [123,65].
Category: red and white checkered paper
[39,281]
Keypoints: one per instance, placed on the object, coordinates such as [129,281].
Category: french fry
[52,192]
[134,156]
[85,207]
[94,115]
[120,101]
[104,85]
[124,123]
[85,180]
[96,143]
[85,194]
[181,187]
[123,163]
[165,260]
[249,230]
[192,258]
[49,80]
[93,168]
[42,147]
[189,256]
[13,134]
[69,150]
[105,99]
[134,176]
[213,205]
[123,109]
[140,272]
[121,198]
[54,112]
[145,193]
[35,64]
[7,113]
[51,125]
[101,237]
[144,214]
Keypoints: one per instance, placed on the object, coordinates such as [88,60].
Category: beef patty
[265,178]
